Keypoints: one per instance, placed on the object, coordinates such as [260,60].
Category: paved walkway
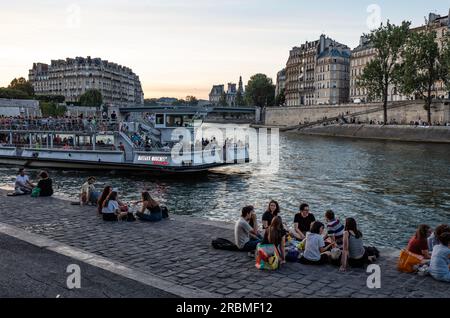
[29,271]
[179,250]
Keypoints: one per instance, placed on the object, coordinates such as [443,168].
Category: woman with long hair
[273,209]
[150,211]
[106,191]
[418,244]
[111,209]
[45,184]
[354,252]
[277,236]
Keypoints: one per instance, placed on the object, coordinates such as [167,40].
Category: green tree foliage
[260,91]
[92,97]
[13,93]
[179,102]
[421,67]
[150,102]
[52,109]
[51,98]
[280,99]
[388,41]
[23,85]
[191,100]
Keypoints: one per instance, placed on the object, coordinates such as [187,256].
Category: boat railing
[63,125]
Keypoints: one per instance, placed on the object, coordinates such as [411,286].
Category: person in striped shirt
[335,229]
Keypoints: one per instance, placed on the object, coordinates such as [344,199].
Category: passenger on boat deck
[418,244]
[275,234]
[45,184]
[111,208]
[246,238]
[88,193]
[354,252]
[316,253]
[106,191]
[23,184]
[150,211]
[303,221]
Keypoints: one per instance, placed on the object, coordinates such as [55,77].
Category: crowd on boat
[59,123]
[308,241]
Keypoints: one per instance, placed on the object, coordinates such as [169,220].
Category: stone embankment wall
[403,113]
[437,134]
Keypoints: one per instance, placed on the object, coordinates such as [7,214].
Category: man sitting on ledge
[245,236]
[23,184]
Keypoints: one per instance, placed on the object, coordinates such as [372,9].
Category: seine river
[389,187]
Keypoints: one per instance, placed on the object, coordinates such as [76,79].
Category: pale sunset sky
[183,47]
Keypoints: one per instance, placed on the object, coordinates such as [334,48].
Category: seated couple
[23,185]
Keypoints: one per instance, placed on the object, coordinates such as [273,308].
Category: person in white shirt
[316,253]
[23,184]
[88,193]
[111,210]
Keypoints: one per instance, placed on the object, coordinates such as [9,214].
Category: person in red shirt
[418,244]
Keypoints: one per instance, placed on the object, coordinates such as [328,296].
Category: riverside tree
[388,41]
[23,85]
[260,91]
[92,97]
[422,66]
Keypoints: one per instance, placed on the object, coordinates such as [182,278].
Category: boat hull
[104,166]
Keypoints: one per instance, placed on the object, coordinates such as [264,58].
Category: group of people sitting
[23,184]
[332,242]
[433,248]
[111,208]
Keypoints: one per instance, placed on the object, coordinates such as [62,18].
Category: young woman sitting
[111,208]
[315,251]
[418,244]
[45,184]
[277,236]
[272,211]
[440,259]
[106,191]
[154,213]
[354,252]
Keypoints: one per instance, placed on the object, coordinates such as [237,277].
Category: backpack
[224,244]
[267,257]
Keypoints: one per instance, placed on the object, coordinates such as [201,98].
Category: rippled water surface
[389,187]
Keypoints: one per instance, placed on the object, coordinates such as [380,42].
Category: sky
[183,47]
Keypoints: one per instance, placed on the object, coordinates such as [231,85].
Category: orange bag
[407,261]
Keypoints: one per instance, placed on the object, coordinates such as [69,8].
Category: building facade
[361,56]
[72,77]
[281,82]
[231,93]
[365,53]
[317,73]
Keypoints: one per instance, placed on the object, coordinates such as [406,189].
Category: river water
[389,187]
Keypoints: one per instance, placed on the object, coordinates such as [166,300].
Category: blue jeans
[153,217]
[250,246]
[93,197]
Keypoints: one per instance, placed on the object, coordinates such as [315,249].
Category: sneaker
[251,254]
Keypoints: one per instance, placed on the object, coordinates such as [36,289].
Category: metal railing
[58,125]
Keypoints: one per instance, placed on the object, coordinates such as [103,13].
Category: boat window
[159,119]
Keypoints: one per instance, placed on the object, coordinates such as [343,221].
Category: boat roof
[188,110]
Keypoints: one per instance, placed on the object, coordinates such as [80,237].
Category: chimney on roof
[322,43]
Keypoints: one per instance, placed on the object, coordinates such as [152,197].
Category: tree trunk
[428,105]
[385,100]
